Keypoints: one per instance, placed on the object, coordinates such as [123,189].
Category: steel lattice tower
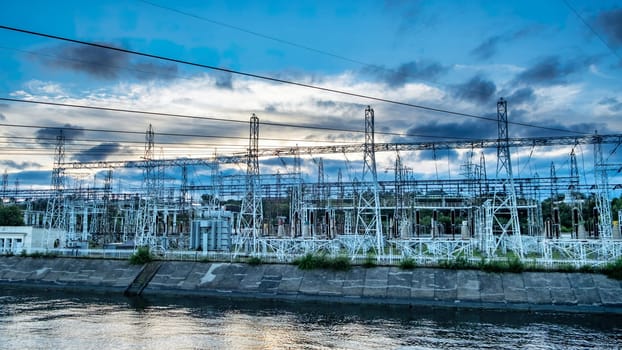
[54,215]
[602,194]
[146,229]
[504,205]
[296,198]
[251,210]
[368,220]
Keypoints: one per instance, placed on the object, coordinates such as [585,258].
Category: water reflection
[52,320]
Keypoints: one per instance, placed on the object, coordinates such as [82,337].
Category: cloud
[34,177]
[610,23]
[477,89]
[99,152]
[611,103]
[520,131]
[2,116]
[488,48]
[224,81]
[20,166]
[150,70]
[521,95]
[467,129]
[406,72]
[104,63]
[551,71]
[410,15]
[70,132]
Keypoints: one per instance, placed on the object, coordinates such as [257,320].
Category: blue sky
[556,68]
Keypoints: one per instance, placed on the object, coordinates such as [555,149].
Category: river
[35,320]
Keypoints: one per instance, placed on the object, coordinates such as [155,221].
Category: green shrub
[587,269]
[340,263]
[566,268]
[459,263]
[370,261]
[310,262]
[141,256]
[494,266]
[407,264]
[254,261]
[613,270]
[307,262]
[39,255]
[515,265]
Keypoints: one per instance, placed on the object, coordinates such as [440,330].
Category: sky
[558,64]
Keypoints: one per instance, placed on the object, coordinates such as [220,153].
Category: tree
[11,215]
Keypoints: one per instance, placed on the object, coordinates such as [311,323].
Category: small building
[15,239]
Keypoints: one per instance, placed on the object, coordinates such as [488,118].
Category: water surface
[78,321]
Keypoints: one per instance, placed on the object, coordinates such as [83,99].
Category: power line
[591,28]
[277,80]
[140,132]
[175,115]
[247,31]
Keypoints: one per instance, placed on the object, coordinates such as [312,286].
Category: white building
[15,239]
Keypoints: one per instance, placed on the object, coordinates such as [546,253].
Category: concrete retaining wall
[68,273]
[422,286]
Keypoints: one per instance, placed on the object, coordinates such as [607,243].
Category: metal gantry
[250,219]
[405,217]
[368,218]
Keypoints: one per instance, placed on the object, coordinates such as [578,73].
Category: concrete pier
[556,291]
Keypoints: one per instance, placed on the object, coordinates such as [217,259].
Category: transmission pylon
[368,210]
[251,210]
[399,215]
[604,221]
[504,205]
[183,192]
[54,214]
[5,185]
[145,236]
[295,211]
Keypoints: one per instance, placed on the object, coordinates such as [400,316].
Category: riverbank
[553,291]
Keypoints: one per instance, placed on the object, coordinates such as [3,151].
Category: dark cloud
[551,70]
[2,116]
[150,70]
[4,106]
[104,63]
[610,23]
[325,104]
[99,152]
[522,131]
[489,46]
[224,81]
[34,177]
[19,166]
[406,72]
[477,89]
[270,109]
[341,108]
[612,104]
[468,129]
[70,132]
[410,15]
[521,96]
[439,155]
